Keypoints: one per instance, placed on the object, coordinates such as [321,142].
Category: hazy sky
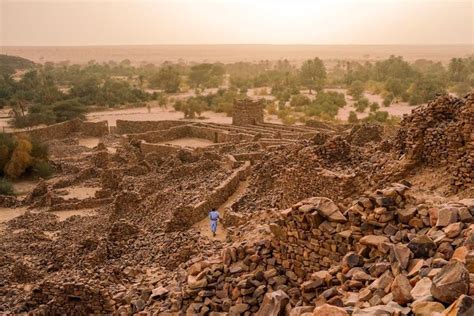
[115,22]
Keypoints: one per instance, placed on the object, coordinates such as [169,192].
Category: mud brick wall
[247,112]
[185,217]
[129,127]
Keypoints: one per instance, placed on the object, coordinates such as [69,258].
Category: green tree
[206,75]
[374,106]
[356,89]
[68,110]
[361,105]
[352,117]
[458,70]
[167,79]
[313,74]
[426,88]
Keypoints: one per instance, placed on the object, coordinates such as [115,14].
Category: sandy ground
[189,142]
[63,215]
[80,192]
[23,187]
[204,226]
[234,53]
[156,114]
[89,142]
[7,214]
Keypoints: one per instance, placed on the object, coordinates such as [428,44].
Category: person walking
[214,218]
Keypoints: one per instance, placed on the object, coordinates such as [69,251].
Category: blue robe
[213,216]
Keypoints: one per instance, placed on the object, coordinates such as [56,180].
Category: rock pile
[365,133]
[441,134]
[77,298]
[386,254]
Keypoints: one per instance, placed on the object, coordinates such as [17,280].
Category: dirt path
[204,226]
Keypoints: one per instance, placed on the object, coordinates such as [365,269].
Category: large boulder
[421,246]
[463,306]
[273,304]
[450,283]
[427,308]
[326,208]
[329,310]
[401,289]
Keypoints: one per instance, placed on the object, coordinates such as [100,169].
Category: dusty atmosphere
[235,53]
[237,158]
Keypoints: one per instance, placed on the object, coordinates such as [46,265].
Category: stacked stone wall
[440,134]
[130,127]
[186,216]
[247,112]
[66,129]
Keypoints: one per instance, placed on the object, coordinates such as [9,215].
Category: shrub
[20,154]
[374,106]
[271,108]
[20,159]
[388,100]
[43,169]
[356,89]
[7,145]
[6,188]
[352,117]
[379,117]
[299,101]
[361,105]
[39,150]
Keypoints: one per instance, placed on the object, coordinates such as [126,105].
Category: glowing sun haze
[135,22]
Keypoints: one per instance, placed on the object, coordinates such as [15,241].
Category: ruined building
[247,112]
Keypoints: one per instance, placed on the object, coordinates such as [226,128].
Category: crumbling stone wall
[94,129]
[440,134]
[129,127]
[186,216]
[65,129]
[197,131]
[247,112]
[381,256]
[159,149]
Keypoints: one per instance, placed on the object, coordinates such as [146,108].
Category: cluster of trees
[20,156]
[396,79]
[54,92]
[324,105]
[38,97]
[51,93]
[374,117]
[221,102]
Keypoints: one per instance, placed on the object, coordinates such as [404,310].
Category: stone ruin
[384,255]
[311,234]
[247,112]
[442,134]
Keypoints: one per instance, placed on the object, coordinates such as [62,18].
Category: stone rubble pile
[442,134]
[386,254]
[72,298]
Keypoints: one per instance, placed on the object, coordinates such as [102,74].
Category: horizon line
[242,44]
